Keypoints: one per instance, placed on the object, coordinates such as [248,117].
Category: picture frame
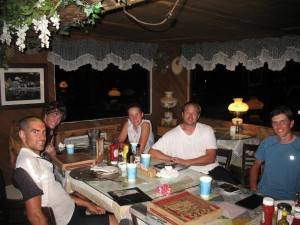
[23,86]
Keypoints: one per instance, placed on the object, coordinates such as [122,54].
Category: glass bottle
[297,199]
[130,155]
[137,158]
[114,152]
[296,220]
[283,220]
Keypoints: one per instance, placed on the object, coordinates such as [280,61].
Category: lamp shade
[114,92]
[168,101]
[238,106]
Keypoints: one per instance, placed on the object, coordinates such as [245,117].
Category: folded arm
[206,159]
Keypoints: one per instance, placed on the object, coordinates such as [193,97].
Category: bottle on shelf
[283,220]
[268,211]
[296,220]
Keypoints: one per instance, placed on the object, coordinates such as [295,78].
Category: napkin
[105,169]
[167,172]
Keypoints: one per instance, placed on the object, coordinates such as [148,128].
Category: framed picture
[23,86]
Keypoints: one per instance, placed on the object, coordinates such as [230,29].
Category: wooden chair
[224,153]
[242,171]
[12,210]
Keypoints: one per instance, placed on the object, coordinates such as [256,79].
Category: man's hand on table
[180,161]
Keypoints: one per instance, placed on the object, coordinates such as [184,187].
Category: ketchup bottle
[268,211]
[114,152]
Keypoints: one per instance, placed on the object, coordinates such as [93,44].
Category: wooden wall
[161,83]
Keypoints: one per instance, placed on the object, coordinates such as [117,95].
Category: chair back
[224,157]
[248,157]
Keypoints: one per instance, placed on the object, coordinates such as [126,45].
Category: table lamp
[168,101]
[238,107]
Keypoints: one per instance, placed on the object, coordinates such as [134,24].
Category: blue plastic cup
[70,149]
[145,159]
[205,186]
[131,171]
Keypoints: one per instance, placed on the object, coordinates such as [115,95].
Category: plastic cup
[205,186]
[133,147]
[123,168]
[145,159]
[131,171]
[70,149]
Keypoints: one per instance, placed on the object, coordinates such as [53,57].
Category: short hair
[135,105]
[282,110]
[55,106]
[193,104]
[24,121]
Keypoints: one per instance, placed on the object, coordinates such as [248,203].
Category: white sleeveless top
[134,136]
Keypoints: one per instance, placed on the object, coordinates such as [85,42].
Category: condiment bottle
[125,151]
[268,211]
[283,220]
[114,152]
[137,158]
[296,220]
[281,207]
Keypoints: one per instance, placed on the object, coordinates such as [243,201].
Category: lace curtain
[252,53]
[70,55]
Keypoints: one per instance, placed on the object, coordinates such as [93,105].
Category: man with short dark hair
[34,177]
[281,157]
[193,144]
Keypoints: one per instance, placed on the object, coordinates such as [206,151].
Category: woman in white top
[137,130]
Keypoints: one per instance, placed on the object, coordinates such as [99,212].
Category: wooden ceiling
[199,21]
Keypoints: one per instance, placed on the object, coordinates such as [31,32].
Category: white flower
[42,26]
[55,20]
[39,4]
[21,33]
[5,37]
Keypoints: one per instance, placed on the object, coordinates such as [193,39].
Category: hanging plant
[42,19]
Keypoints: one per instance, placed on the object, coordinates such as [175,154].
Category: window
[215,90]
[85,91]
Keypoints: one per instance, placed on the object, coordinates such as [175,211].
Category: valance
[252,53]
[70,55]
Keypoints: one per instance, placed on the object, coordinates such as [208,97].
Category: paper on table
[106,169]
[167,172]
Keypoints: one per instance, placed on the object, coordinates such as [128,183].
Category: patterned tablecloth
[232,215]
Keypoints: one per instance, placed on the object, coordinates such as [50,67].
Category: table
[234,142]
[97,191]
[232,214]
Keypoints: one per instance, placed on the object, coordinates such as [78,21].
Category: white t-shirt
[41,171]
[134,136]
[177,143]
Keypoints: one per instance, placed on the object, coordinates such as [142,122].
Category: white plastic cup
[145,159]
[131,171]
[123,168]
[205,186]
[70,149]
[133,147]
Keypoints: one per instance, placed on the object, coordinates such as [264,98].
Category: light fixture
[238,107]
[114,92]
[63,84]
[168,101]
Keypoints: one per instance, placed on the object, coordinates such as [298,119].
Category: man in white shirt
[35,179]
[192,144]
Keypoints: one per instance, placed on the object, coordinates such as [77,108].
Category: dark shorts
[79,217]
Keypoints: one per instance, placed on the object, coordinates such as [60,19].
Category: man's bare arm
[159,155]
[34,211]
[254,174]
[208,158]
